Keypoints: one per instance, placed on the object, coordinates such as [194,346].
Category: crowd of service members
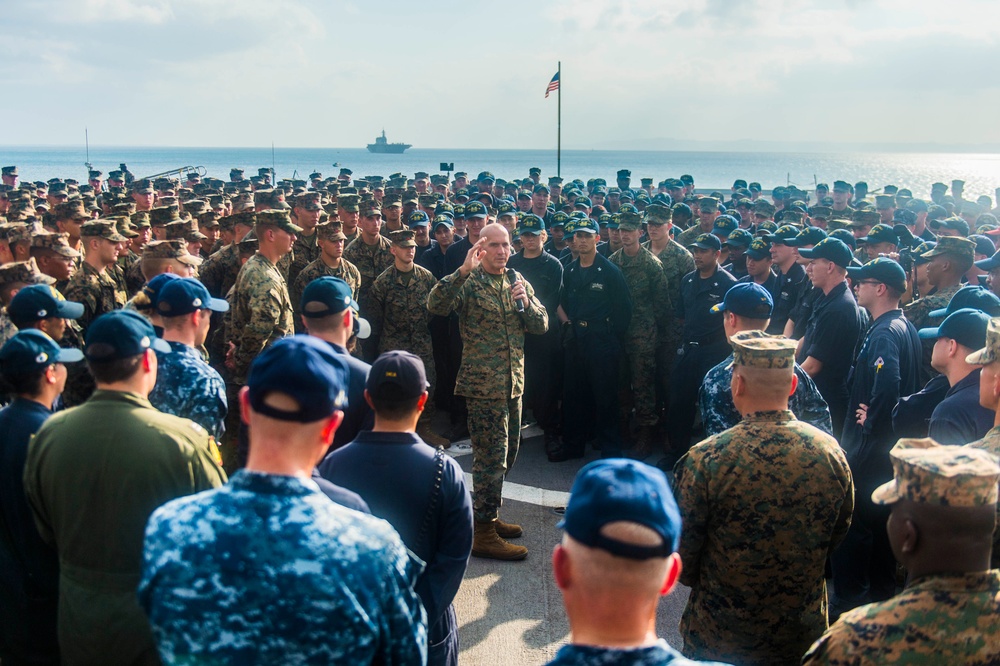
[837,351]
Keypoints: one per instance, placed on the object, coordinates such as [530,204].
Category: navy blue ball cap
[971,296]
[121,334]
[31,350]
[808,236]
[622,490]
[883,269]
[184,296]
[831,249]
[305,369]
[326,296]
[40,301]
[966,326]
[747,299]
[418,218]
[984,264]
[707,242]
[398,368]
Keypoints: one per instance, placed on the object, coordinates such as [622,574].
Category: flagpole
[559,123]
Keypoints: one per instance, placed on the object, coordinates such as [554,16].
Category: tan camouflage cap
[865,218]
[630,221]
[124,226]
[309,201]
[330,231]
[196,206]
[23,271]
[952,245]
[279,219]
[101,229]
[170,249]
[928,473]
[369,208]
[161,216]
[70,210]
[58,243]
[756,349]
[839,223]
[140,219]
[403,238]
[991,352]
[658,214]
[209,219]
[348,202]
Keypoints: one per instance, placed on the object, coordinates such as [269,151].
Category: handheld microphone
[512,277]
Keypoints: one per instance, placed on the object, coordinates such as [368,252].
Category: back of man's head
[119,349]
[396,385]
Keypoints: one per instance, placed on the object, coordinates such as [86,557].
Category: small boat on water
[382,145]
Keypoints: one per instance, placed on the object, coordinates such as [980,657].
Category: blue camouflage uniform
[188,387]
[657,654]
[718,412]
[268,570]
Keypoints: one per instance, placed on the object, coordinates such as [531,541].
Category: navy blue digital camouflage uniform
[658,654]
[188,387]
[718,412]
[267,570]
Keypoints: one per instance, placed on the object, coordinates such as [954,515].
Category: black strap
[433,501]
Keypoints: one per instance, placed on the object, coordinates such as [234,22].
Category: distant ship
[382,145]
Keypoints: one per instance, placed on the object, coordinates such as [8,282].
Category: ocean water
[711,170]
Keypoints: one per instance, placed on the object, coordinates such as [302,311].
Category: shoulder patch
[878,364]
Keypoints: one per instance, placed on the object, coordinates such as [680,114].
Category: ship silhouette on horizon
[382,145]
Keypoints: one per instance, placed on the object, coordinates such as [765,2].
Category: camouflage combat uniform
[219,271]
[98,292]
[918,314]
[491,375]
[718,412]
[399,316]
[347,272]
[676,262]
[991,442]
[268,570]
[7,328]
[260,312]
[187,386]
[371,261]
[305,250]
[943,619]
[650,304]
[763,504]
[658,654]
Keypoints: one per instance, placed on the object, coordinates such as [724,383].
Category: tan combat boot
[508,530]
[425,433]
[487,543]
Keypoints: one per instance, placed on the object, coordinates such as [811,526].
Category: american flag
[553,85]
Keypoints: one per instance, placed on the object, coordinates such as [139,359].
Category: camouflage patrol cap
[20,232]
[278,219]
[142,186]
[184,229]
[926,472]
[196,206]
[170,249]
[821,212]
[427,200]
[123,225]
[393,200]
[70,210]
[101,229]
[658,214]
[630,221]
[246,218]
[25,272]
[309,201]
[369,208]
[865,218]
[208,219]
[990,353]
[161,216]
[756,349]
[226,223]
[402,238]
[330,231]
[58,243]
[123,208]
[957,245]
[349,202]
[833,225]
[763,207]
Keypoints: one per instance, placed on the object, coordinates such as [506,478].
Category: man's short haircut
[391,404]
[110,372]
[29,384]
[151,267]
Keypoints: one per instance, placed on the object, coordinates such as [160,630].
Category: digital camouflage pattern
[371,261]
[929,473]
[944,619]
[651,308]
[718,412]
[495,431]
[347,272]
[918,312]
[492,331]
[189,387]
[268,570]
[7,328]
[763,505]
[260,312]
[658,654]
[98,292]
[220,270]
[305,250]
[399,316]
[756,349]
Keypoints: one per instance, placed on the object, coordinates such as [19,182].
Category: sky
[444,74]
